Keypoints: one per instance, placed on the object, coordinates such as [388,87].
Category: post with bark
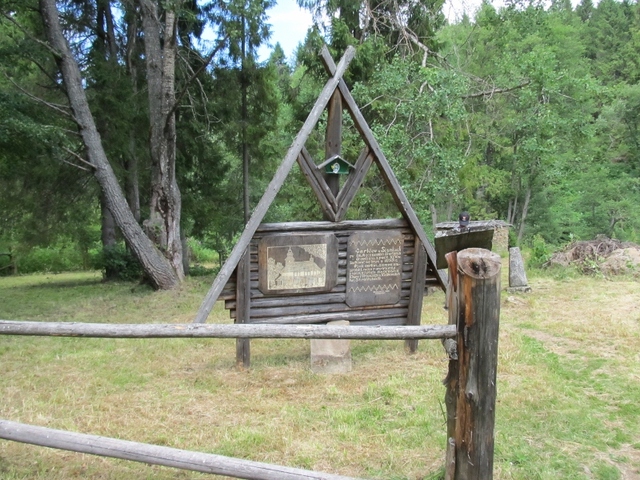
[471,383]
[243,313]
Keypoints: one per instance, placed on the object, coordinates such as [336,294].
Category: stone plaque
[290,263]
[374,268]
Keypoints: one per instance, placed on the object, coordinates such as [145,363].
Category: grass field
[568,387]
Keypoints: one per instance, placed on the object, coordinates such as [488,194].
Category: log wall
[310,308]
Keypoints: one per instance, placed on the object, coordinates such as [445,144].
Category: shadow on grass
[65,283]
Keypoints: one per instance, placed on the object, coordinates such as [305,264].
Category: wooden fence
[470,339]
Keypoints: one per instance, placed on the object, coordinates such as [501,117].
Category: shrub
[56,259]
[540,252]
[198,253]
[119,263]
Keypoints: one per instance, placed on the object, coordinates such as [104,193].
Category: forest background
[128,138]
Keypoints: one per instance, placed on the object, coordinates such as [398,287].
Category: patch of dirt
[601,255]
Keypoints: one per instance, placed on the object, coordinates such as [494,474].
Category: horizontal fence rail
[109,330]
[154,454]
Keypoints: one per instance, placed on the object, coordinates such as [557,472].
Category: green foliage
[527,113]
[202,271]
[199,253]
[417,115]
[540,252]
[56,258]
[122,262]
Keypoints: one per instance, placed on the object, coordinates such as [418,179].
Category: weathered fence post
[243,315]
[471,383]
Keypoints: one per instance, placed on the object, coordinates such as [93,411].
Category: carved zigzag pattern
[375,242]
[374,288]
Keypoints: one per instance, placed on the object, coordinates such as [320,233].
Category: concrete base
[331,356]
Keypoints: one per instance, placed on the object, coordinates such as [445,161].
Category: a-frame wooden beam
[328,202]
[385,170]
[353,183]
[274,187]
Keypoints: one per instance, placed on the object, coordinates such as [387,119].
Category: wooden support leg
[414,316]
[243,296]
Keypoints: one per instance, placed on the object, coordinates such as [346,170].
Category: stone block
[331,356]
[517,276]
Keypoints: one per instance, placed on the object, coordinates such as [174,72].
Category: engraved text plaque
[374,268]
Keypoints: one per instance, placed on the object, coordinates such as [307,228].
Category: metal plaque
[374,268]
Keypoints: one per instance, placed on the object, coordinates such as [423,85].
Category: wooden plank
[350,316]
[478,320]
[385,170]
[243,310]
[316,309]
[340,285]
[353,183]
[154,454]
[414,315]
[320,298]
[190,330]
[257,294]
[387,321]
[319,179]
[333,140]
[355,225]
[273,188]
[307,171]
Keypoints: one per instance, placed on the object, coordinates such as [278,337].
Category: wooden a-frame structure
[334,202]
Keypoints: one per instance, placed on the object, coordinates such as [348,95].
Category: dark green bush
[57,258]
[118,263]
[201,271]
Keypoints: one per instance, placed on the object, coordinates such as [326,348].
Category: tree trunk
[434,216]
[155,265]
[450,210]
[244,119]
[133,187]
[163,225]
[525,210]
[131,159]
[108,238]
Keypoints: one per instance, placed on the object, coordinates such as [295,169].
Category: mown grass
[568,387]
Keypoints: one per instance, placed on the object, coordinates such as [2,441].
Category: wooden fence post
[471,393]
[243,309]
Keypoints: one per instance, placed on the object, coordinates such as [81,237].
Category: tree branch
[195,74]
[74,165]
[53,51]
[71,152]
[493,91]
[57,108]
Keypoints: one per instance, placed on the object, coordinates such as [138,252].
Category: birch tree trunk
[158,269]
[163,225]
